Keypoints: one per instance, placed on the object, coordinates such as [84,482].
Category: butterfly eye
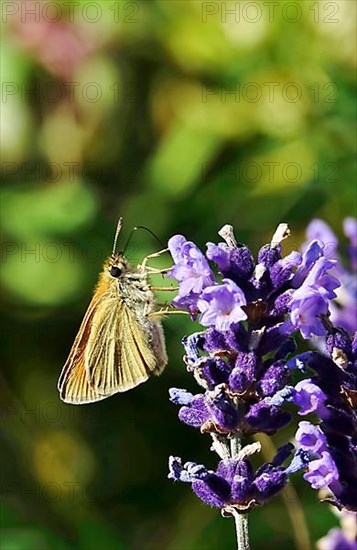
[115,271]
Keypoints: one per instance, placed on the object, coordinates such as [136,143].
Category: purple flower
[240,476]
[192,345]
[319,230]
[320,280]
[339,340]
[195,413]
[224,413]
[344,538]
[312,253]
[282,303]
[274,378]
[265,417]
[187,472]
[268,255]
[272,476]
[243,373]
[299,461]
[221,305]
[215,341]
[344,308]
[219,254]
[282,270]
[275,336]
[192,271]
[213,371]
[336,539]
[308,397]
[311,300]
[310,437]
[213,410]
[306,309]
[234,483]
[269,483]
[350,230]
[234,262]
[322,471]
[345,314]
[214,490]
[180,397]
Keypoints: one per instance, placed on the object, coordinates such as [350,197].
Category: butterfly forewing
[73,382]
[118,345]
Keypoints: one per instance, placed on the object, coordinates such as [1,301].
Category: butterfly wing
[114,351]
[120,356]
[158,344]
[73,382]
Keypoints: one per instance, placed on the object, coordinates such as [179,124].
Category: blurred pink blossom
[59,45]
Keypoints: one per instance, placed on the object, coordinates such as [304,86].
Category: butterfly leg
[155,255]
[164,288]
[163,305]
[154,271]
[167,311]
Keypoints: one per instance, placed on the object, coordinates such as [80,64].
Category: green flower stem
[241,520]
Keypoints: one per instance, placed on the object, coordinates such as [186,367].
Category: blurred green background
[180,116]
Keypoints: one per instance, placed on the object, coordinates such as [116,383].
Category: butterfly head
[117,265]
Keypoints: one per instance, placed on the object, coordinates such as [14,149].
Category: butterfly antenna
[151,233]
[146,229]
[118,229]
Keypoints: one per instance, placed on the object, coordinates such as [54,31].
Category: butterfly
[120,342]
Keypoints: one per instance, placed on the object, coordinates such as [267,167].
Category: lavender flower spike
[245,361]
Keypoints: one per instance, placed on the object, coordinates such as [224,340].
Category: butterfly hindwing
[118,356]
